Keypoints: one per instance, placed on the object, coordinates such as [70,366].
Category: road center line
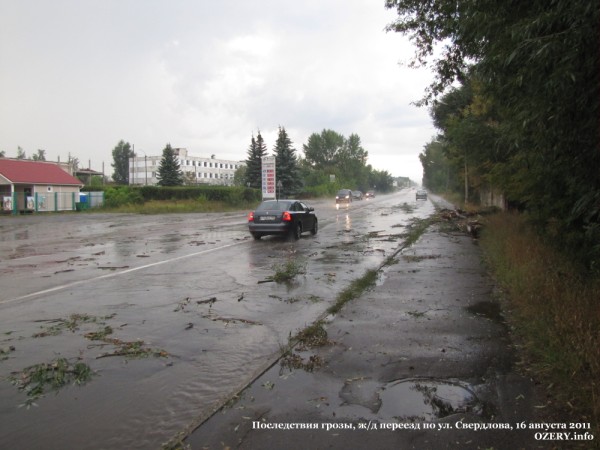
[116,274]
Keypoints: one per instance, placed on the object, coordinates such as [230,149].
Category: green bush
[321,190]
[121,195]
[226,194]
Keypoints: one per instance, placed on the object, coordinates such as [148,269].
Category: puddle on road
[489,310]
[381,277]
[361,392]
[427,399]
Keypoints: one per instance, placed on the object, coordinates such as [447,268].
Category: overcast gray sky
[77,76]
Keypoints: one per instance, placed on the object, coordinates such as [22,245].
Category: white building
[196,169]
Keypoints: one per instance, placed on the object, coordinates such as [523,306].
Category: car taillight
[251,217]
[286,217]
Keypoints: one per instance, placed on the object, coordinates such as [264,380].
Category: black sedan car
[343,196]
[282,217]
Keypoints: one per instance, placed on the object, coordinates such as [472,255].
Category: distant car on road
[422,194]
[282,217]
[358,195]
[343,196]
[370,194]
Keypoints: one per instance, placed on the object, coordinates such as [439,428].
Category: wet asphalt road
[422,361]
[186,288]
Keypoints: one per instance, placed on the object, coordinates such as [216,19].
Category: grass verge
[416,228]
[555,312]
[355,290]
[176,206]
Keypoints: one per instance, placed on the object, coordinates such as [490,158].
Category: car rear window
[274,205]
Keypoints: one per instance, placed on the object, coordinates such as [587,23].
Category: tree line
[169,172]
[39,155]
[330,161]
[515,99]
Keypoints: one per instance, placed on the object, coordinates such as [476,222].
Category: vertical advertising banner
[268,178]
[7,203]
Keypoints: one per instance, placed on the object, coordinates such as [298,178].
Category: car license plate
[267,218]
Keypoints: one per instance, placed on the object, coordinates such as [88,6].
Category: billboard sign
[269,181]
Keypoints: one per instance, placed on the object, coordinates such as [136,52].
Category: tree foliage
[256,151]
[526,114]
[121,154]
[331,153]
[321,150]
[286,163]
[239,177]
[39,156]
[380,180]
[169,173]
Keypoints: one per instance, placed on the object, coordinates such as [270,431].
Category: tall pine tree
[256,151]
[169,173]
[121,154]
[288,172]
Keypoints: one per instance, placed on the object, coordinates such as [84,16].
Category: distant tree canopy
[322,150]
[239,177]
[121,154]
[524,117]
[330,153]
[256,151]
[331,161]
[169,173]
[40,155]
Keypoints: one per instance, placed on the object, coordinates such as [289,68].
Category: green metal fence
[13,203]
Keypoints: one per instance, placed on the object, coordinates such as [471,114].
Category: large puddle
[428,399]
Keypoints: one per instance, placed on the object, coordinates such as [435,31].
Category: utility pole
[466,181]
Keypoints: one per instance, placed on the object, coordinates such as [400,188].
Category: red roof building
[37,186]
[35,172]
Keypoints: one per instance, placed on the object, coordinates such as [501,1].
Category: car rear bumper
[269,228]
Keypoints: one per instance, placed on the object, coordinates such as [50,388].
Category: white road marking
[116,274]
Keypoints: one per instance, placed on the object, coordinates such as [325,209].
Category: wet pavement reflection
[172,314]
